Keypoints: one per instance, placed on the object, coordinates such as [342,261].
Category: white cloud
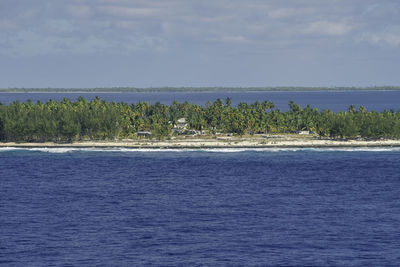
[328,28]
[82,11]
[28,13]
[383,39]
[60,25]
[281,13]
[156,24]
[126,24]
[132,12]
[233,39]
[28,43]
[7,25]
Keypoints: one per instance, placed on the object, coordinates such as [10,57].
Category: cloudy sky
[150,43]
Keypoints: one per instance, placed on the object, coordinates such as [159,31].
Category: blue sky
[151,43]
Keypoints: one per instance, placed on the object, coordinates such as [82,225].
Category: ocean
[333,100]
[211,207]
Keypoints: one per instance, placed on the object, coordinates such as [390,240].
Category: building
[143,133]
[303,132]
[181,123]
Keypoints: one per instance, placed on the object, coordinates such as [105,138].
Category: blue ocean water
[121,207]
[335,101]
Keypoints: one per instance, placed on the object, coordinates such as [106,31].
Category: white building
[181,123]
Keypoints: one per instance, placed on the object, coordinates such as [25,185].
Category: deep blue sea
[333,100]
[231,207]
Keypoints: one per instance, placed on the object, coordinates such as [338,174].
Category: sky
[198,43]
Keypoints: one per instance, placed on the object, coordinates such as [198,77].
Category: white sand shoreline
[227,142]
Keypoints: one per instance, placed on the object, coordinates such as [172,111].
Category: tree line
[97,119]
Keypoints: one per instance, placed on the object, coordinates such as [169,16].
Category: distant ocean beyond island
[199,89]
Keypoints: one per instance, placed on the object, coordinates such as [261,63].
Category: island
[98,123]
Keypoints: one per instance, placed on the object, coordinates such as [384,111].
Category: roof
[143,132]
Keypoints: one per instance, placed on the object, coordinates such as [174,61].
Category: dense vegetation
[97,119]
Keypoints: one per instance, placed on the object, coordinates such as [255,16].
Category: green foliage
[98,119]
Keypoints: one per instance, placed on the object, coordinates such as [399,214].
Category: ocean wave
[9,148]
[235,150]
[354,149]
[94,149]
[58,150]
[62,150]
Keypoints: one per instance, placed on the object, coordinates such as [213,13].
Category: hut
[143,133]
[181,123]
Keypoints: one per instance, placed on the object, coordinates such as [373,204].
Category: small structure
[143,133]
[303,132]
[181,123]
[180,126]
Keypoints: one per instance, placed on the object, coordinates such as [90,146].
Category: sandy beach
[262,141]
